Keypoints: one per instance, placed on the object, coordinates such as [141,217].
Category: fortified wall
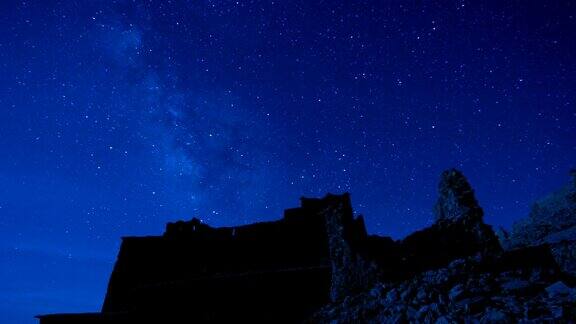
[204,274]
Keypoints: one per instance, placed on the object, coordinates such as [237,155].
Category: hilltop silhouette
[318,264]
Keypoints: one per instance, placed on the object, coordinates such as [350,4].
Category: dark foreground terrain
[318,264]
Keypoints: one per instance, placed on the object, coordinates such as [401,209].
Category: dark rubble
[468,290]
[528,278]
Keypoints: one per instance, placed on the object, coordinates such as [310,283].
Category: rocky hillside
[318,264]
[468,290]
[473,278]
[552,221]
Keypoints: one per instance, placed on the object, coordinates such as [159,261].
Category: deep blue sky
[118,116]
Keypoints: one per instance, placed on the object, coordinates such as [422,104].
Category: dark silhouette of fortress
[280,271]
[204,274]
[286,270]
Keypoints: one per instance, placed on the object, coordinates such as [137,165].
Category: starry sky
[119,116]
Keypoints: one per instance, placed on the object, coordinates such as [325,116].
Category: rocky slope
[461,292]
[460,273]
[318,263]
[552,221]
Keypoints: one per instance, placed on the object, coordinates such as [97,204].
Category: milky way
[119,116]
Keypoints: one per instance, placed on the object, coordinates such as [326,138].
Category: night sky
[119,116]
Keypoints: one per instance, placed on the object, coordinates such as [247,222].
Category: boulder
[456,292]
[558,289]
[492,315]
[515,286]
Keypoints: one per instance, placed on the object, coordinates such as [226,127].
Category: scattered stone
[406,294]
[456,292]
[515,285]
[558,289]
[493,316]
[392,296]
[515,302]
